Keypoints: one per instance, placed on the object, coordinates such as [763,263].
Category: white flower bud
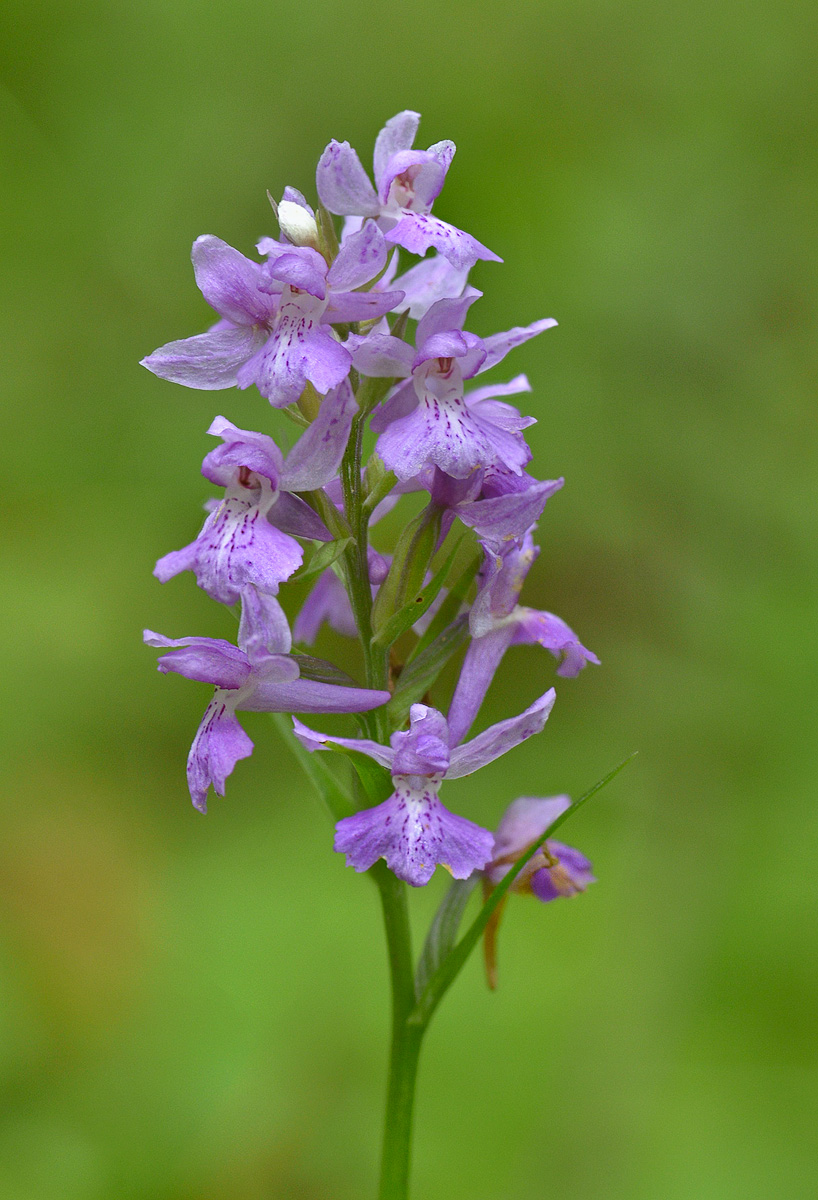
[297,224]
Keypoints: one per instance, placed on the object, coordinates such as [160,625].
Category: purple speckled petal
[293,515]
[499,344]
[500,518]
[207,660]
[398,134]
[361,258]
[501,738]
[552,633]
[482,659]
[218,745]
[346,307]
[444,152]
[423,749]
[242,448]
[298,349]
[209,361]
[237,546]
[315,458]
[446,314]
[525,820]
[229,282]
[311,740]
[414,832]
[417,232]
[491,390]
[327,362]
[343,184]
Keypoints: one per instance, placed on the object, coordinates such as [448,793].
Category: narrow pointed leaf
[324,557]
[442,933]
[414,608]
[323,671]
[448,610]
[449,969]
[422,671]
[410,562]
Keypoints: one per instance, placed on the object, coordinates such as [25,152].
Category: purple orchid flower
[425,283]
[497,621]
[258,675]
[274,316]
[412,830]
[245,540]
[556,870]
[427,421]
[408,183]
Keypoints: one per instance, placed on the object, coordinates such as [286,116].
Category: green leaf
[443,930]
[448,610]
[324,557]
[422,671]
[450,967]
[334,520]
[375,779]
[322,671]
[410,562]
[334,794]
[414,609]
[379,483]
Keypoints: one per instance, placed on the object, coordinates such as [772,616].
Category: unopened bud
[297,224]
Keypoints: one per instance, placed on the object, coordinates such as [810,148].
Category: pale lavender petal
[398,134]
[557,637]
[310,696]
[504,416]
[207,660]
[345,307]
[298,349]
[176,562]
[293,195]
[430,280]
[343,184]
[451,343]
[499,344]
[263,628]
[361,258]
[423,749]
[401,402]
[446,314]
[315,458]
[327,362]
[482,659]
[301,267]
[497,519]
[208,361]
[230,283]
[444,152]
[311,740]
[381,355]
[418,179]
[525,820]
[417,232]
[218,745]
[413,832]
[500,738]
[242,448]
[490,390]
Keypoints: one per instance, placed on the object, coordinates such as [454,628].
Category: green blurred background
[195,1008]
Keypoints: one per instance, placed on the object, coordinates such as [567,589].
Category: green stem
[406,1040]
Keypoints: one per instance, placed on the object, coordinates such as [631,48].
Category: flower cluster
[343,336]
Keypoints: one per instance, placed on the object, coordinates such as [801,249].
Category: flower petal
[525,820]
[207,660]
[311,740]
[417,232]
[343,184]
[501,738]
[315,458]
[346,307]
[552,632]
[311,696]
[414,832]
[208,361]
[430,280]
[398,134]
[361,258]
[499,344]
[218,745]
[229,282]
[482,659]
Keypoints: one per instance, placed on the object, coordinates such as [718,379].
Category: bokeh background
[195,1008]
